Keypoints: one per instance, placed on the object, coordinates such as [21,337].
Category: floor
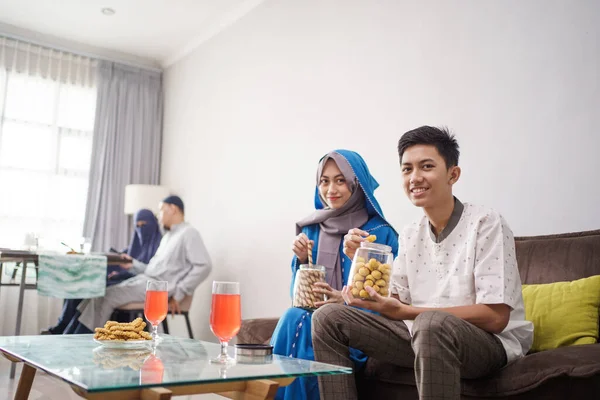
[47,388]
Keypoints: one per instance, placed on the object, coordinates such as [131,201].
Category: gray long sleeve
[138,267]
[198,257]
[181,259]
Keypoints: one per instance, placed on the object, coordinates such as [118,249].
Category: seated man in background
[144,243]
[181,260]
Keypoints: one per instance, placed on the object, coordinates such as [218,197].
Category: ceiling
[158,30]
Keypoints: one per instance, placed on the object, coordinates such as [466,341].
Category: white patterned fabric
[474,264]
[72,276]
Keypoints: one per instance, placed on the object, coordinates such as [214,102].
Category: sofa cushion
[558,258]
[518,377]
[257,331]
[563,313]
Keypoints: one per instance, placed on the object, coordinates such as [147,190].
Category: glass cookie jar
[372,266]
[306,276]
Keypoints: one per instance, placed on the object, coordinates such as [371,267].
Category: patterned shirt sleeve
[496,274]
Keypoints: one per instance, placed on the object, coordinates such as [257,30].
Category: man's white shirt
[475,263]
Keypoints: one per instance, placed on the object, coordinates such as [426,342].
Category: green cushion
[563,313]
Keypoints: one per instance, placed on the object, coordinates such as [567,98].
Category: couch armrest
[257,331]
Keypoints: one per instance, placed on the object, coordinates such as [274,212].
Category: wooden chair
[134,310]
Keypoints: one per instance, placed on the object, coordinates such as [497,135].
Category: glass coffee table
[177,366]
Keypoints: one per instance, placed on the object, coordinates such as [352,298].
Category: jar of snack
[372,266]
[306,276]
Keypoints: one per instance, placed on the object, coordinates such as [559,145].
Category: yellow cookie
[122,327]
[146,335]
[103,331]
[127,334]
[140,327]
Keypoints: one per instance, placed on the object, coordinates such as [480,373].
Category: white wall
[249,114]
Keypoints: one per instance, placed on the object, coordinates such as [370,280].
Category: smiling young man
[456,309]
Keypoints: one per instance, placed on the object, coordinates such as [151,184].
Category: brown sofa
[564,373]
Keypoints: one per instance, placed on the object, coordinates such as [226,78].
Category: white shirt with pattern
[474,264]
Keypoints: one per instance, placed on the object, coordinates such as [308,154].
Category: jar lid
[253,349]
[312,267]
[376,246]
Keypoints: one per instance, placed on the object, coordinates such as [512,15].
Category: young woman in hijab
[344,198]
[143,245]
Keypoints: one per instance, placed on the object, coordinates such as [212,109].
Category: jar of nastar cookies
[306,277]
[372,266]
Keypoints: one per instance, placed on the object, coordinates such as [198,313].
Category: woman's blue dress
[292,336]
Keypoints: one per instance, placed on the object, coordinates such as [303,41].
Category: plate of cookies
[119,335]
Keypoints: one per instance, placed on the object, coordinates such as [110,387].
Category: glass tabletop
[78,360]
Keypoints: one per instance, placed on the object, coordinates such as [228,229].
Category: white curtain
[47,111]
[127,143]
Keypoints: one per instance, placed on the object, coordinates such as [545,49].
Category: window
[46,130]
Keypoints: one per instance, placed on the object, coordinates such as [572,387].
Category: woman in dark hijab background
[144,243]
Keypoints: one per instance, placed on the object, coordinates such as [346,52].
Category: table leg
[25,382]
[19,311]
[263,389]
[156,394]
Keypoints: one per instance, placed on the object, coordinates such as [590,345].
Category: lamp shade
[144,196]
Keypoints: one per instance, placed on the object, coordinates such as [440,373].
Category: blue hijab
[335,223]
[146,238]
[366,181]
